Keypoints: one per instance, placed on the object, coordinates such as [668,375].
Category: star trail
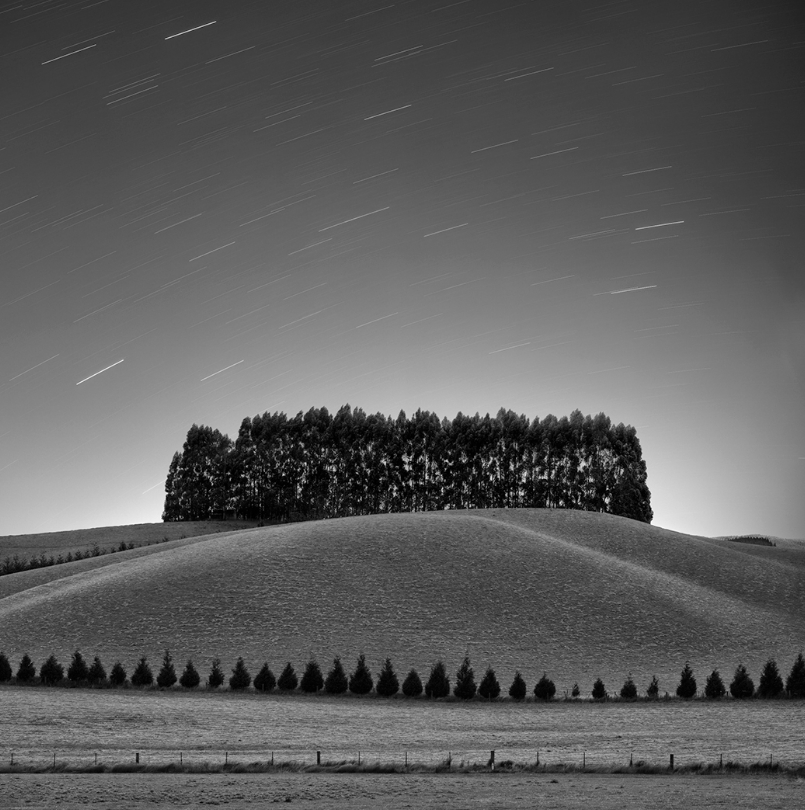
[540,206]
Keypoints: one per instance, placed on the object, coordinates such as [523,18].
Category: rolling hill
[576,594]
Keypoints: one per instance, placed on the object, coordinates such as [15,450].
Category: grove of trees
[317,465]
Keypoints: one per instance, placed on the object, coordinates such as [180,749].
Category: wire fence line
[429,760]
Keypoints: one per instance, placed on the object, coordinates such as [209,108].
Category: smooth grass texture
[205,726]
[106,537]
[575,594]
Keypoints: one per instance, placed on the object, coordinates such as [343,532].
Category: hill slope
[578,594]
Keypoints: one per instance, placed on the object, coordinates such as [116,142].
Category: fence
[290,759]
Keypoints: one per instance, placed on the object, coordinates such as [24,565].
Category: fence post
[584,760]
[96,757]
[226,758]
[721,761]
[54,759]
[671,766]
[180,758]
[537,757]
[137,758]
[272,757]
[318,757]
[631,762]
[406,758]
[492,759]
[359,757]
[12,757]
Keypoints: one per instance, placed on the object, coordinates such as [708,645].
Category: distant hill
[577,594]
[26,546]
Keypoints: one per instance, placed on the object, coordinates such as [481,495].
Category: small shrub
[599,690]
[51,672]
[78,670]
[438,684]
[167,675]
[287,680]
[387,683]
[795,682]
[686,688]
[629,690]
[544,689]
[412,685]
[742,686]
[489,687]
[216,676]
[96,674]
[714,687]
[117,677]
[5,669]
[264,680]
[142,675]
[336,682]
[360,682]
[518,688]
[190,678]
[575,691]
[465,681]
[312,680]
[771,684]
[653,691]
[240,678]
[26,671]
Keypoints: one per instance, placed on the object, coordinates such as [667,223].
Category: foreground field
[360,792]
[75,725]
[579,595]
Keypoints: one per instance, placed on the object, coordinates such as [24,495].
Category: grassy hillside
[578,594]
[106,537]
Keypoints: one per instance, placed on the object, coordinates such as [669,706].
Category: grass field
[358,792]
[576,594]
[74,725]
[26,546]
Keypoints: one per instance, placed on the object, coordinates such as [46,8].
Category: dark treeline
[317,465]
[387,683]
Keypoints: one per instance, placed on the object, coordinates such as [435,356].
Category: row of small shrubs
[361,682]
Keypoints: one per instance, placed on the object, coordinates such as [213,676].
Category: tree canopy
[318,465]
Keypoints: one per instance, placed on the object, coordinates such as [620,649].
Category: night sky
[210,210]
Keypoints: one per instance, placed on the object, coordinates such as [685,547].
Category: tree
[387,683]
[51,672]
[653,691]
[544,689]
[771,684]
[518,688]
[287,680]
[216,676]
[438,684]
[336,682]
[742,686]
[489,687]
[96,674]
[5,669]
[795,682]
[26,671]
[360,682]
[575,691]
[78,670]
[714,687]
[465,681]
[142,675]
[629,690]
[118,675]
[312,679]
[167,674]
[264,680]
[240,678]
[687,683]
[190,678]
[599,690]
[412,685]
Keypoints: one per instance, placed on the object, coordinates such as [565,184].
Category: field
[357,792]
[26,546]
[577,594]
[74,725]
